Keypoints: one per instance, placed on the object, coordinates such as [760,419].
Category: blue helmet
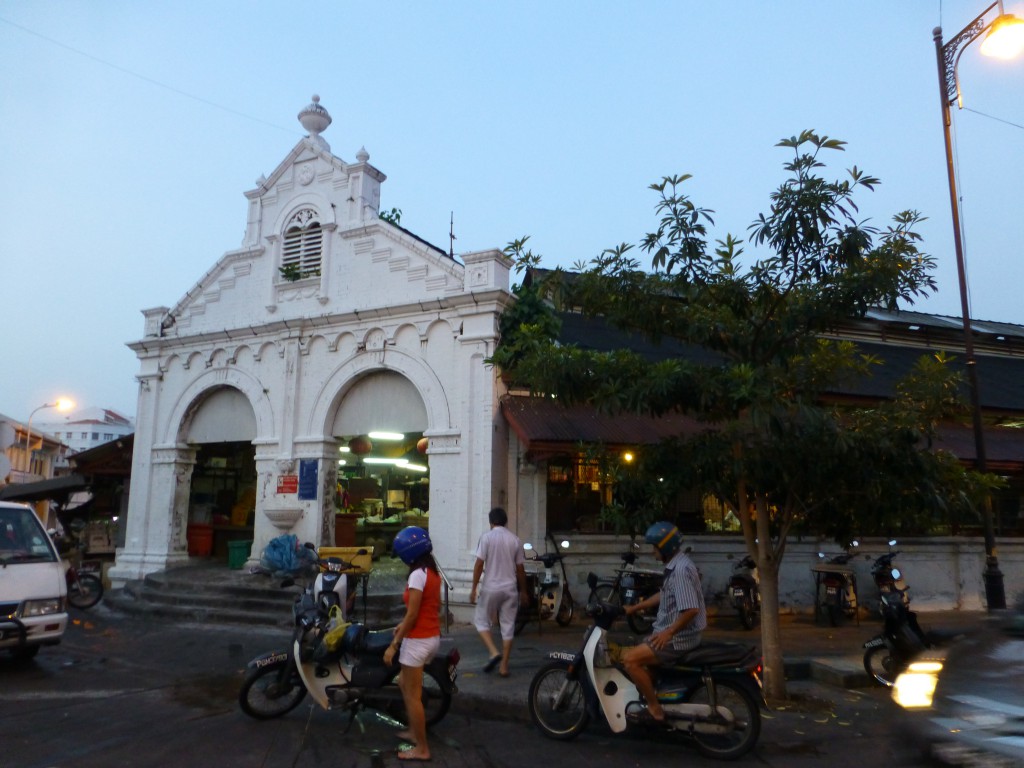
[411,544]
[665,537]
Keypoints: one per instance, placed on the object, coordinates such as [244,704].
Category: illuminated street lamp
[1005,40]
[62,404]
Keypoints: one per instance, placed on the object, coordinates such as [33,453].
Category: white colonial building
[333,361]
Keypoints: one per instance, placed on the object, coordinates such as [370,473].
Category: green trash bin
[238,553]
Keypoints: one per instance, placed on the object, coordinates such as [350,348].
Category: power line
[146,79]
[992,117]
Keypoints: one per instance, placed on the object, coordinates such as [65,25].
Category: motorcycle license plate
[562,656]
[876,642]
[630,594]
[830,590]
[737,592]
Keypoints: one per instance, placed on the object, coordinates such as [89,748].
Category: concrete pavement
[812,651]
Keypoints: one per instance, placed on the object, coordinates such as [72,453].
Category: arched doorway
[383,466]
[222,495]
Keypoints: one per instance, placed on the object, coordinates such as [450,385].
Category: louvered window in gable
[302,250]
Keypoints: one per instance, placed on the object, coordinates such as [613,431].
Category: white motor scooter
[341,665]
[712,696]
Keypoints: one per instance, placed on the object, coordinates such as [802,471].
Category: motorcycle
[85,588]
[887,577]
[835,586]
[886,655]
[341,665]
[744,591]
[330,586]
[629,587]
[712,696]
[549,595]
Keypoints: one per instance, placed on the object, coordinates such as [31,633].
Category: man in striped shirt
[681,615]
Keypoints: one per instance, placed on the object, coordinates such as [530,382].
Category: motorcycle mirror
[895,573]
[564,544]
[528,547]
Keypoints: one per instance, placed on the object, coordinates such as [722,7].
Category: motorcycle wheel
[85,591]
[881,666]
[746,722]
[604,593]
[265,696]
[746,613]
[436,700]
[556,702]
[564,615]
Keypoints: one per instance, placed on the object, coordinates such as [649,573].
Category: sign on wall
[308,478]
[287,483]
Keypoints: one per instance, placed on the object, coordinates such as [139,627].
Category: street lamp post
[63,405]
[948,56]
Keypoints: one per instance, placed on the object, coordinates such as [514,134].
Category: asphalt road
[124,691]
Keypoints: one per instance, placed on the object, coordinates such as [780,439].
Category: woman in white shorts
[418,637]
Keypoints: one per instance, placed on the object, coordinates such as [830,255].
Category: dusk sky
[130,131]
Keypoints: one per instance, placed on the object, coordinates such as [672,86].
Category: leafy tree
[775,450]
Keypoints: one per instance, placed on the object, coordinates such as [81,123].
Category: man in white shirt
[500,553]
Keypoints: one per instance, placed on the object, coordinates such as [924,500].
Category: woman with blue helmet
[681,616]
[418,636]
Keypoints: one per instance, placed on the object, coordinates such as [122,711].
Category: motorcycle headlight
[915,688]
[46,607]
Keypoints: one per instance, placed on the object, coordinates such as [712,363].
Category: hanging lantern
[360,446]
[422,444]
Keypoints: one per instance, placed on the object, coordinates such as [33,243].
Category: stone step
[216,595]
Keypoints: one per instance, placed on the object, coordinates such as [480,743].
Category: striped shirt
[680,592]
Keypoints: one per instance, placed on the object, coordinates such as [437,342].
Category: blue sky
[130,131]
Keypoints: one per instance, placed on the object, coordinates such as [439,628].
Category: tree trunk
[771,645]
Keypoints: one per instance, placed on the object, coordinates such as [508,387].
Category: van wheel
[25,653]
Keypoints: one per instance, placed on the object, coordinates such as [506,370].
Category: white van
[33,588]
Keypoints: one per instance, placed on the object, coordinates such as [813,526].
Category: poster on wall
[308,479]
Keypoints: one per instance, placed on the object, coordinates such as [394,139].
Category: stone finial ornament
[315,119]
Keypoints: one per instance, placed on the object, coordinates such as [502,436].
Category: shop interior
[383,486]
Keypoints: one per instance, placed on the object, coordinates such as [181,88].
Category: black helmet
[665,537]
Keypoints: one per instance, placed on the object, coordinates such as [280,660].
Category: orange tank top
[428,622]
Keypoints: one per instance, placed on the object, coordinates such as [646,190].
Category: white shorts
[417,651]
[501,606]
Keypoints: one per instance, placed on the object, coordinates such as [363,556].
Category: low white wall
[943,573]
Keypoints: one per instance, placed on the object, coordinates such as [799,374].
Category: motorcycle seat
[375,642]
[717,654]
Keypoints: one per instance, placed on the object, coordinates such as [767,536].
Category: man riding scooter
[681,616]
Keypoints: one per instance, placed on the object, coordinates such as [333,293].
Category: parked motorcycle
[629,587]
[887,577]
[341,665]
[85,588]
[330,587]
[835,586]
[712,696]
[744,591]
[886,655]
[549,595]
